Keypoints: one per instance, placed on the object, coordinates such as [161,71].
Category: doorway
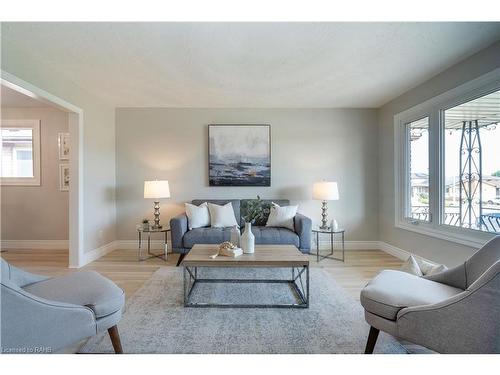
[71,139]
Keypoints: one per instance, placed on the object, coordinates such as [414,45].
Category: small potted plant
[145,224]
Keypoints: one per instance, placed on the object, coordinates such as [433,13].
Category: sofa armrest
[303,226]
[178,227]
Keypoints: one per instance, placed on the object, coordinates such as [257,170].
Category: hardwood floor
[122,266]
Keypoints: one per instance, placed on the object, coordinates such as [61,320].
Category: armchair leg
[115,339]
[372,340]
[181,257]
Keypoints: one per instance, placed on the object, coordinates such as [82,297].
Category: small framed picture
[64,177]
[63,146]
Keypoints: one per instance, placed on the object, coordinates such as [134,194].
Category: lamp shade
[325,191]
[156,189]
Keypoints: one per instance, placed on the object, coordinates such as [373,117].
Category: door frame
[76,196]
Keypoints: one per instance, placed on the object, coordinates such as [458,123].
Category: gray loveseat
[183,239]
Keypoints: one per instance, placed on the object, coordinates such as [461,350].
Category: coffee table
[265,256]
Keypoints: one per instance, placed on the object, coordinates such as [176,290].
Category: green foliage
[496,174]
[255,211]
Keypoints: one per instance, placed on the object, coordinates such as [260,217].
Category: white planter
[248,239]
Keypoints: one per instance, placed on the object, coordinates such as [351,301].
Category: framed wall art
[239,155]
[63,146]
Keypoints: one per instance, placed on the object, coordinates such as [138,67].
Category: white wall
[428,247]
[38,212]
[308,145]
[99,140]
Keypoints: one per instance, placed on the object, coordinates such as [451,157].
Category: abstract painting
[239,155]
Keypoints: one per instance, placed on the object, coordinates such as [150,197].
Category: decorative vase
[335,225]
[248,239]
[235,236]
[145,226]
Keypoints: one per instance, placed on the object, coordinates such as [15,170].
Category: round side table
[332,232]
[141,231]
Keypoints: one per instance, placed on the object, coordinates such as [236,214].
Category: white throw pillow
[411,266]
[281,216]
[421,267]
[222,216]
[198,216]
[429,268]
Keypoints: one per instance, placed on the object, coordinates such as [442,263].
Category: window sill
[467,237]
[19,181]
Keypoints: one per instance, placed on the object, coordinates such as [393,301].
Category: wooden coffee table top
[264,256]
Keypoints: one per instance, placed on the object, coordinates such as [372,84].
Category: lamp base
[157,216]
[324,216]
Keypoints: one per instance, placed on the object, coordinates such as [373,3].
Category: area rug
[155,320]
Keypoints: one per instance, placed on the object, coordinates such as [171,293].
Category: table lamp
[156,190]
[325,191]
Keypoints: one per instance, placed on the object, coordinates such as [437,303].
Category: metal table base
[149,253]
[332,242]
[299,286]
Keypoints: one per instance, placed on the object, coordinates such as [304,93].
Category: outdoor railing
[488,222]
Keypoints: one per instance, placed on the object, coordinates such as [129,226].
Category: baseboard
[400,253]
[349,245]
[95,254]
[34,244]
[394,251]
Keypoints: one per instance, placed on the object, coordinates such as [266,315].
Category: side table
[332,232]
[141,231]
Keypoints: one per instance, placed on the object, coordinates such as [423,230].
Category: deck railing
[488,222]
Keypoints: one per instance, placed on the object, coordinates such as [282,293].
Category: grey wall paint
[38,212]
[308,145]
[438,250]
[98,139]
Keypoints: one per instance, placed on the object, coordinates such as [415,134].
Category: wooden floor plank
[126,271]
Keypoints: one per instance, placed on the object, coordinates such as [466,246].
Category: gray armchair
[42,315]
[455,311]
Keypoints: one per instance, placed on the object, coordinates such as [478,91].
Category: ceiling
[249,64]
[12,98]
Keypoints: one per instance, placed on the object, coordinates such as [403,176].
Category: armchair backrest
[17,278]
[482,260]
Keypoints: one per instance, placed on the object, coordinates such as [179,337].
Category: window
[447,164]
[472,164]
[417,135]
[20,142]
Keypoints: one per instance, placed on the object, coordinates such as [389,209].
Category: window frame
[406,214]
[34,125]
[434,108]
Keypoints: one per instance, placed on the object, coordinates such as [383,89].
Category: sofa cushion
[84,288]
[275,236]
[206,236]
[391,291]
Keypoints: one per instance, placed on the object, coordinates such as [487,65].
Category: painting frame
[260,176]
[63,144]
[63,172]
